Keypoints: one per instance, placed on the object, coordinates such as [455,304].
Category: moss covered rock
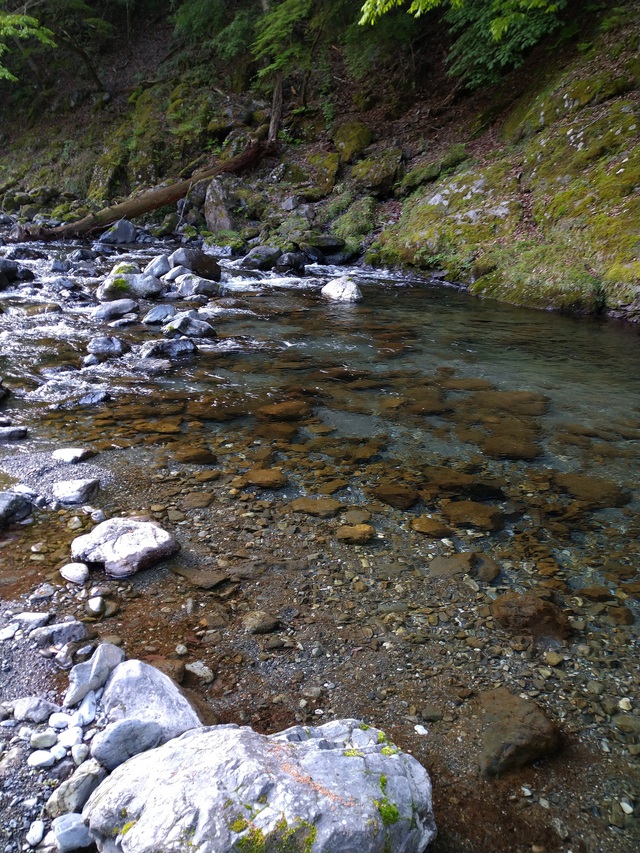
[351,139]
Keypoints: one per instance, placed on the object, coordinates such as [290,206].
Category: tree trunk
[144,203]
[276,111]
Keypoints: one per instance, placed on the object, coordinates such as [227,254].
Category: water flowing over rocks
[299,784]
[124,546]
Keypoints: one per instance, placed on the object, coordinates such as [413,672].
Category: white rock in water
[71,455]
[342,289]
[124,545]
[75,573]
[75,491]
[336,788]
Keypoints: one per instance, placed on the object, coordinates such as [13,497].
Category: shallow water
[366,370]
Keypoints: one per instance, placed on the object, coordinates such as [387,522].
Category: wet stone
[265,478]
[530,614]
[456,564]
[430,527]
[593,490]
[475,514]
[358,534]
[397,495]
[288,410]
[321,507]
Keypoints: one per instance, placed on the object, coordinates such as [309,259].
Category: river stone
[397,495]
[259,622]
[158,266]
[75,573]
[13,507]
[60,633]
[12,433]
[265,478]
[117,308]
[454,564]
[74,792]
[342,289]
[171,349]
[129,285]
[430,527]
[159,314]
[516,732]
[120,741]
[320,507]
[72,455]
[287,410]
[70,833]
[121,231]
[475,514]
[75,491]
[526,613]
[33,709]
[197,261]
[191,327]
[193,285]
[355,534]
[593,490]
[136,690]
[331,789]
[124,545]
[93,673]
[260,258]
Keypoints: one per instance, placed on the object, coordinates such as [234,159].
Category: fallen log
[146,202]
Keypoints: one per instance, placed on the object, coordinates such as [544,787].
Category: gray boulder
[194,285]
[124,545]
[117,308]
[12,433]
[171,349]
[106,347]
[119,741]
[33,709]
[13,507]
[342,289]
[93,673]
[158,266]
[75,492]
[218,213]
[70,833]
[197,261]
[338,788]
[138,691]
[121,231]
[192,327]
[159,314]
[129,286]
[60,633]
[74,792]
[260,258]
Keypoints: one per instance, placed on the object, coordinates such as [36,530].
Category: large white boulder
[342,289]
[124,545]
[338,788]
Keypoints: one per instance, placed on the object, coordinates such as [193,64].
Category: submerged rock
[517,732]
[124,545]
[337,787]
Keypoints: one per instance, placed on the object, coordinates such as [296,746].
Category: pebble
[35,834]
[41,758]
[77,573]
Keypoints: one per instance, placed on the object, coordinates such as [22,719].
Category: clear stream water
[361,367]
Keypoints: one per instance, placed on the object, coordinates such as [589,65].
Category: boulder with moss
[339,787]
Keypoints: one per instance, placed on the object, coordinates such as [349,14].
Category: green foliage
[486,45]
[280,37]
[490,35]
[14,26]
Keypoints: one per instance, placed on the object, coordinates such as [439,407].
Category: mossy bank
[529,194]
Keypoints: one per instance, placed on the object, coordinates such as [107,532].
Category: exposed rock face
[124,545]
[517,733]
[332,789]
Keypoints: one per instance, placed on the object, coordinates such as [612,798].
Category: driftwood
[146,202]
